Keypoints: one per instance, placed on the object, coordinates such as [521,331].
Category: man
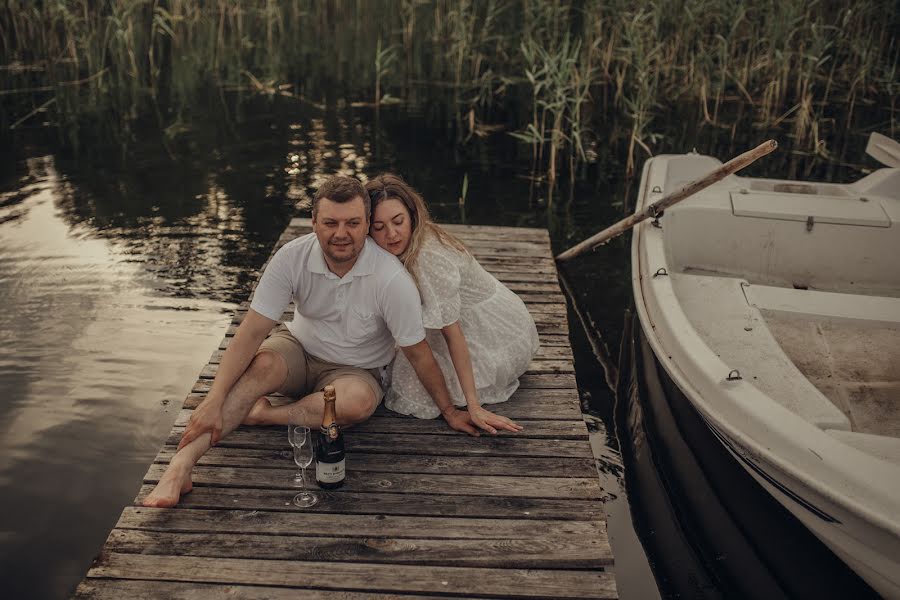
[353,303]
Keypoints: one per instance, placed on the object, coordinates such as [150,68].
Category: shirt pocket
[361,324]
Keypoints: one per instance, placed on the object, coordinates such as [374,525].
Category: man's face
[341,228]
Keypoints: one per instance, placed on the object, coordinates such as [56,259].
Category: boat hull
[746,544]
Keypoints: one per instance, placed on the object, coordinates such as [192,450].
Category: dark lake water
[119,272]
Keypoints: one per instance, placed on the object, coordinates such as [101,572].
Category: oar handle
[735,164]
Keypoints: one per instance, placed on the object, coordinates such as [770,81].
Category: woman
[479,331]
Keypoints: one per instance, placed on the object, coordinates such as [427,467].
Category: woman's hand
[459,420]
[490,422]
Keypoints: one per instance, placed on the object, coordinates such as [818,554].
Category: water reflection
[91,344]
[634,578]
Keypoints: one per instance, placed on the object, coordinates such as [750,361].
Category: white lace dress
[500,333]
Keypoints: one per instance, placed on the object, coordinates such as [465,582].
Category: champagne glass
[296,416]
[303,456]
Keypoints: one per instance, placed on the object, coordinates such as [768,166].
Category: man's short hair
[340,188]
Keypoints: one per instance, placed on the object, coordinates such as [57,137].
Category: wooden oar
[884,150]
[735,164]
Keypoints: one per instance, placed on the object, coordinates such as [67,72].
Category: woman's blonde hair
[389,186]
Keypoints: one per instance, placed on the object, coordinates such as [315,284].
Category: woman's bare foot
[258,414]
[174,483]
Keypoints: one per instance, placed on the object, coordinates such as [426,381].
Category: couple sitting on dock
[464,338]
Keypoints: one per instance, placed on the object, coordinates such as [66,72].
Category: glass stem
[302,479]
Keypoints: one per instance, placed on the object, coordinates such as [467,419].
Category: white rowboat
[774,306]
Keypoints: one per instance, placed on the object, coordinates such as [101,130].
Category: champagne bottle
[330,447]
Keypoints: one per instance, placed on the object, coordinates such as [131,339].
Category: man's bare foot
[173,484]
[257,414]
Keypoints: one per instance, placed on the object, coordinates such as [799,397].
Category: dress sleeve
[439,282]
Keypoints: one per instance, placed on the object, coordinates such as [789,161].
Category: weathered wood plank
[551,325]
[536,367]
[537,403]
[550,339]
[486,240]
[543,353]
[304,523]
[540,318]
[541,310]
[499,237]
[548,313]
[120,589]
[554,353]
[402,483]
[517,246]
[541,297]
[556,429]
[548,552]
[570,430]
[534,583]
[554,334]
[481,252]
[376,443]
[525,404]
[461,229]
[545,262]
[377,503]
[526,381]
[507,265]
[507,277]
[558,309]
[555,381]
[523,466]
[546,339]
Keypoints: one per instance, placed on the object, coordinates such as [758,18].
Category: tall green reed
[552,71]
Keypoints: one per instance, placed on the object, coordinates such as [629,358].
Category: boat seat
[840,210]
[736,331]
[881,446]
[879,310]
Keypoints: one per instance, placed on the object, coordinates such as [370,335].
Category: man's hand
[459,420]
[490,422]
[207,418]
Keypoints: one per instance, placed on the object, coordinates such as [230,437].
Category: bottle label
[330,472]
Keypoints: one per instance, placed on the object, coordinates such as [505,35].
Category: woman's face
[391,226]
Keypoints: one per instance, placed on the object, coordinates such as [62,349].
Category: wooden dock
[424,513]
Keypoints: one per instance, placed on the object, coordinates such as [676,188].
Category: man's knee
[356,401]
[269,367]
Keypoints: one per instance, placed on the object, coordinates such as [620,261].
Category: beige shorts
[308,374]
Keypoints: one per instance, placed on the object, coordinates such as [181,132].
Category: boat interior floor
[832,358]
[856,367]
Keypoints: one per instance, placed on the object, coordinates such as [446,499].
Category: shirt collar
[364,265]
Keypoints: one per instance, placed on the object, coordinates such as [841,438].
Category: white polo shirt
[354,320]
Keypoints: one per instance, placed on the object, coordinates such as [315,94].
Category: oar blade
[884,150]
